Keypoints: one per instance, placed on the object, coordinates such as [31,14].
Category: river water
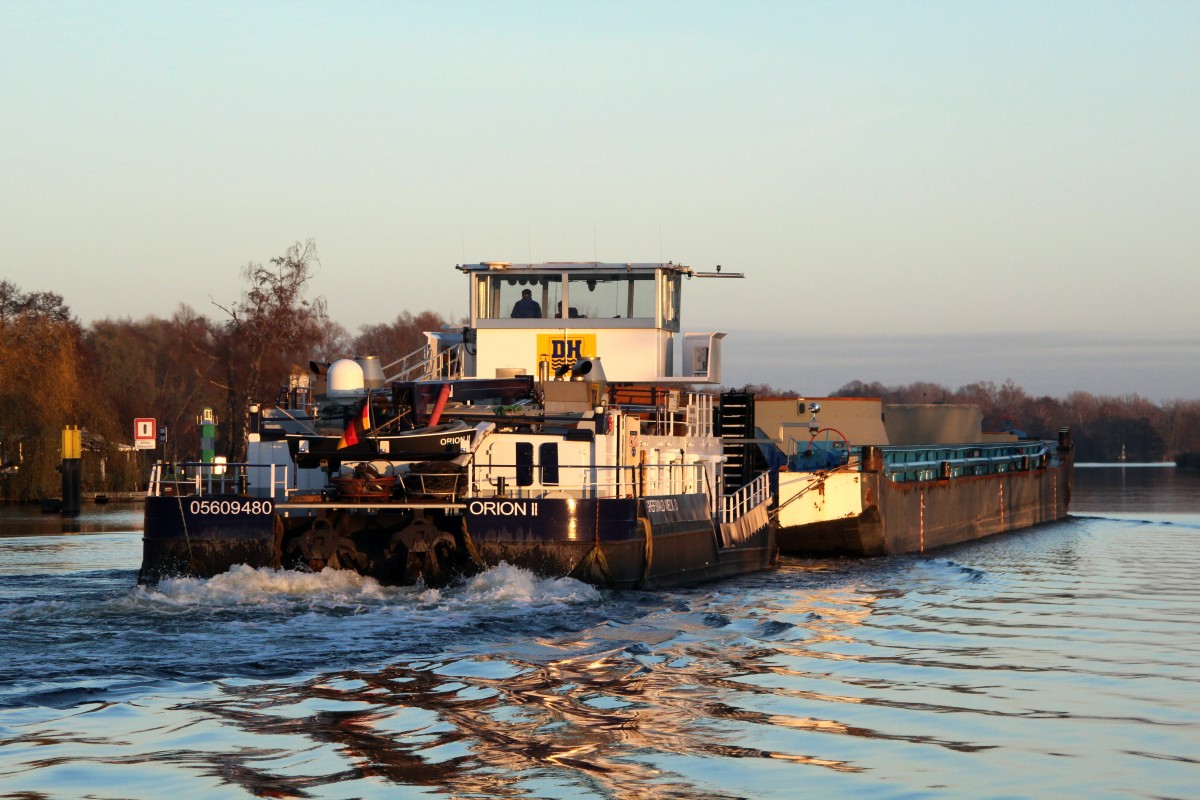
[1062,661]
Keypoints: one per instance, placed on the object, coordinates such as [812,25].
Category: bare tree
[399,338]
[157,368]
[271,331]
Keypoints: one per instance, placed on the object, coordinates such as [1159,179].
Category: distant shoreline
[1126,464]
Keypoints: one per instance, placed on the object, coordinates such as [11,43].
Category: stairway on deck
[736,429]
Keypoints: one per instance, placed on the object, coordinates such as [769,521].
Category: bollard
[72,471]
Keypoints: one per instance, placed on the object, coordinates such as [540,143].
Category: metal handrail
[1023,448]
[200,478]
[959,461]
[407,363]
[636,480]
[753,494]
[694,418]
[424,364]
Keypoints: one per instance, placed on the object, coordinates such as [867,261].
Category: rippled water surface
[1062,661]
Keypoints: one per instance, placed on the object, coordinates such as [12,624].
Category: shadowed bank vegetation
[56,372]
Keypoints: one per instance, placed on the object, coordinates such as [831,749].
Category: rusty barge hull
[918,516]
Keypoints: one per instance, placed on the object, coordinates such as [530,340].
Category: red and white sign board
[144,433]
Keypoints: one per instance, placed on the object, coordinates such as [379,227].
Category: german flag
[356,429]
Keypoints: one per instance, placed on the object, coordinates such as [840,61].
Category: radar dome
[346,379]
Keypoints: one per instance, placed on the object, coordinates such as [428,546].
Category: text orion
[504,508]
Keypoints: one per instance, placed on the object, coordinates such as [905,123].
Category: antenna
[463,239]
[595,250]
[529,240]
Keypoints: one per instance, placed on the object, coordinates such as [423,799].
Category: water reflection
[27,520]
[1142,489]
[607,716]
[613,719]
[1054,662]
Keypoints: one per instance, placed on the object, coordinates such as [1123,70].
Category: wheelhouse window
[511,296]
[644,298]
[670,300]
[610,296]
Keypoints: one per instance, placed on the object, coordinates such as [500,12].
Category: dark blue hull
[204,536]
[616,542]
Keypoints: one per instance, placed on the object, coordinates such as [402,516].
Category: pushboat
[595,445]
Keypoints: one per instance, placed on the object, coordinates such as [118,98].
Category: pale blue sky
[941,179]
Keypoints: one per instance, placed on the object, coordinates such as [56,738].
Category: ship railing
[200,478]
[700,415]
[589,481]
[672,477]
[694,418]
[752,495]
[399,369]
[424,364]
[905,464]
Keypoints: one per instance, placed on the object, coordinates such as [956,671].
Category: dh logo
[570,350]
[563,351]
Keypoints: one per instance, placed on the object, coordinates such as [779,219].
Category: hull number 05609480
[231,507]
